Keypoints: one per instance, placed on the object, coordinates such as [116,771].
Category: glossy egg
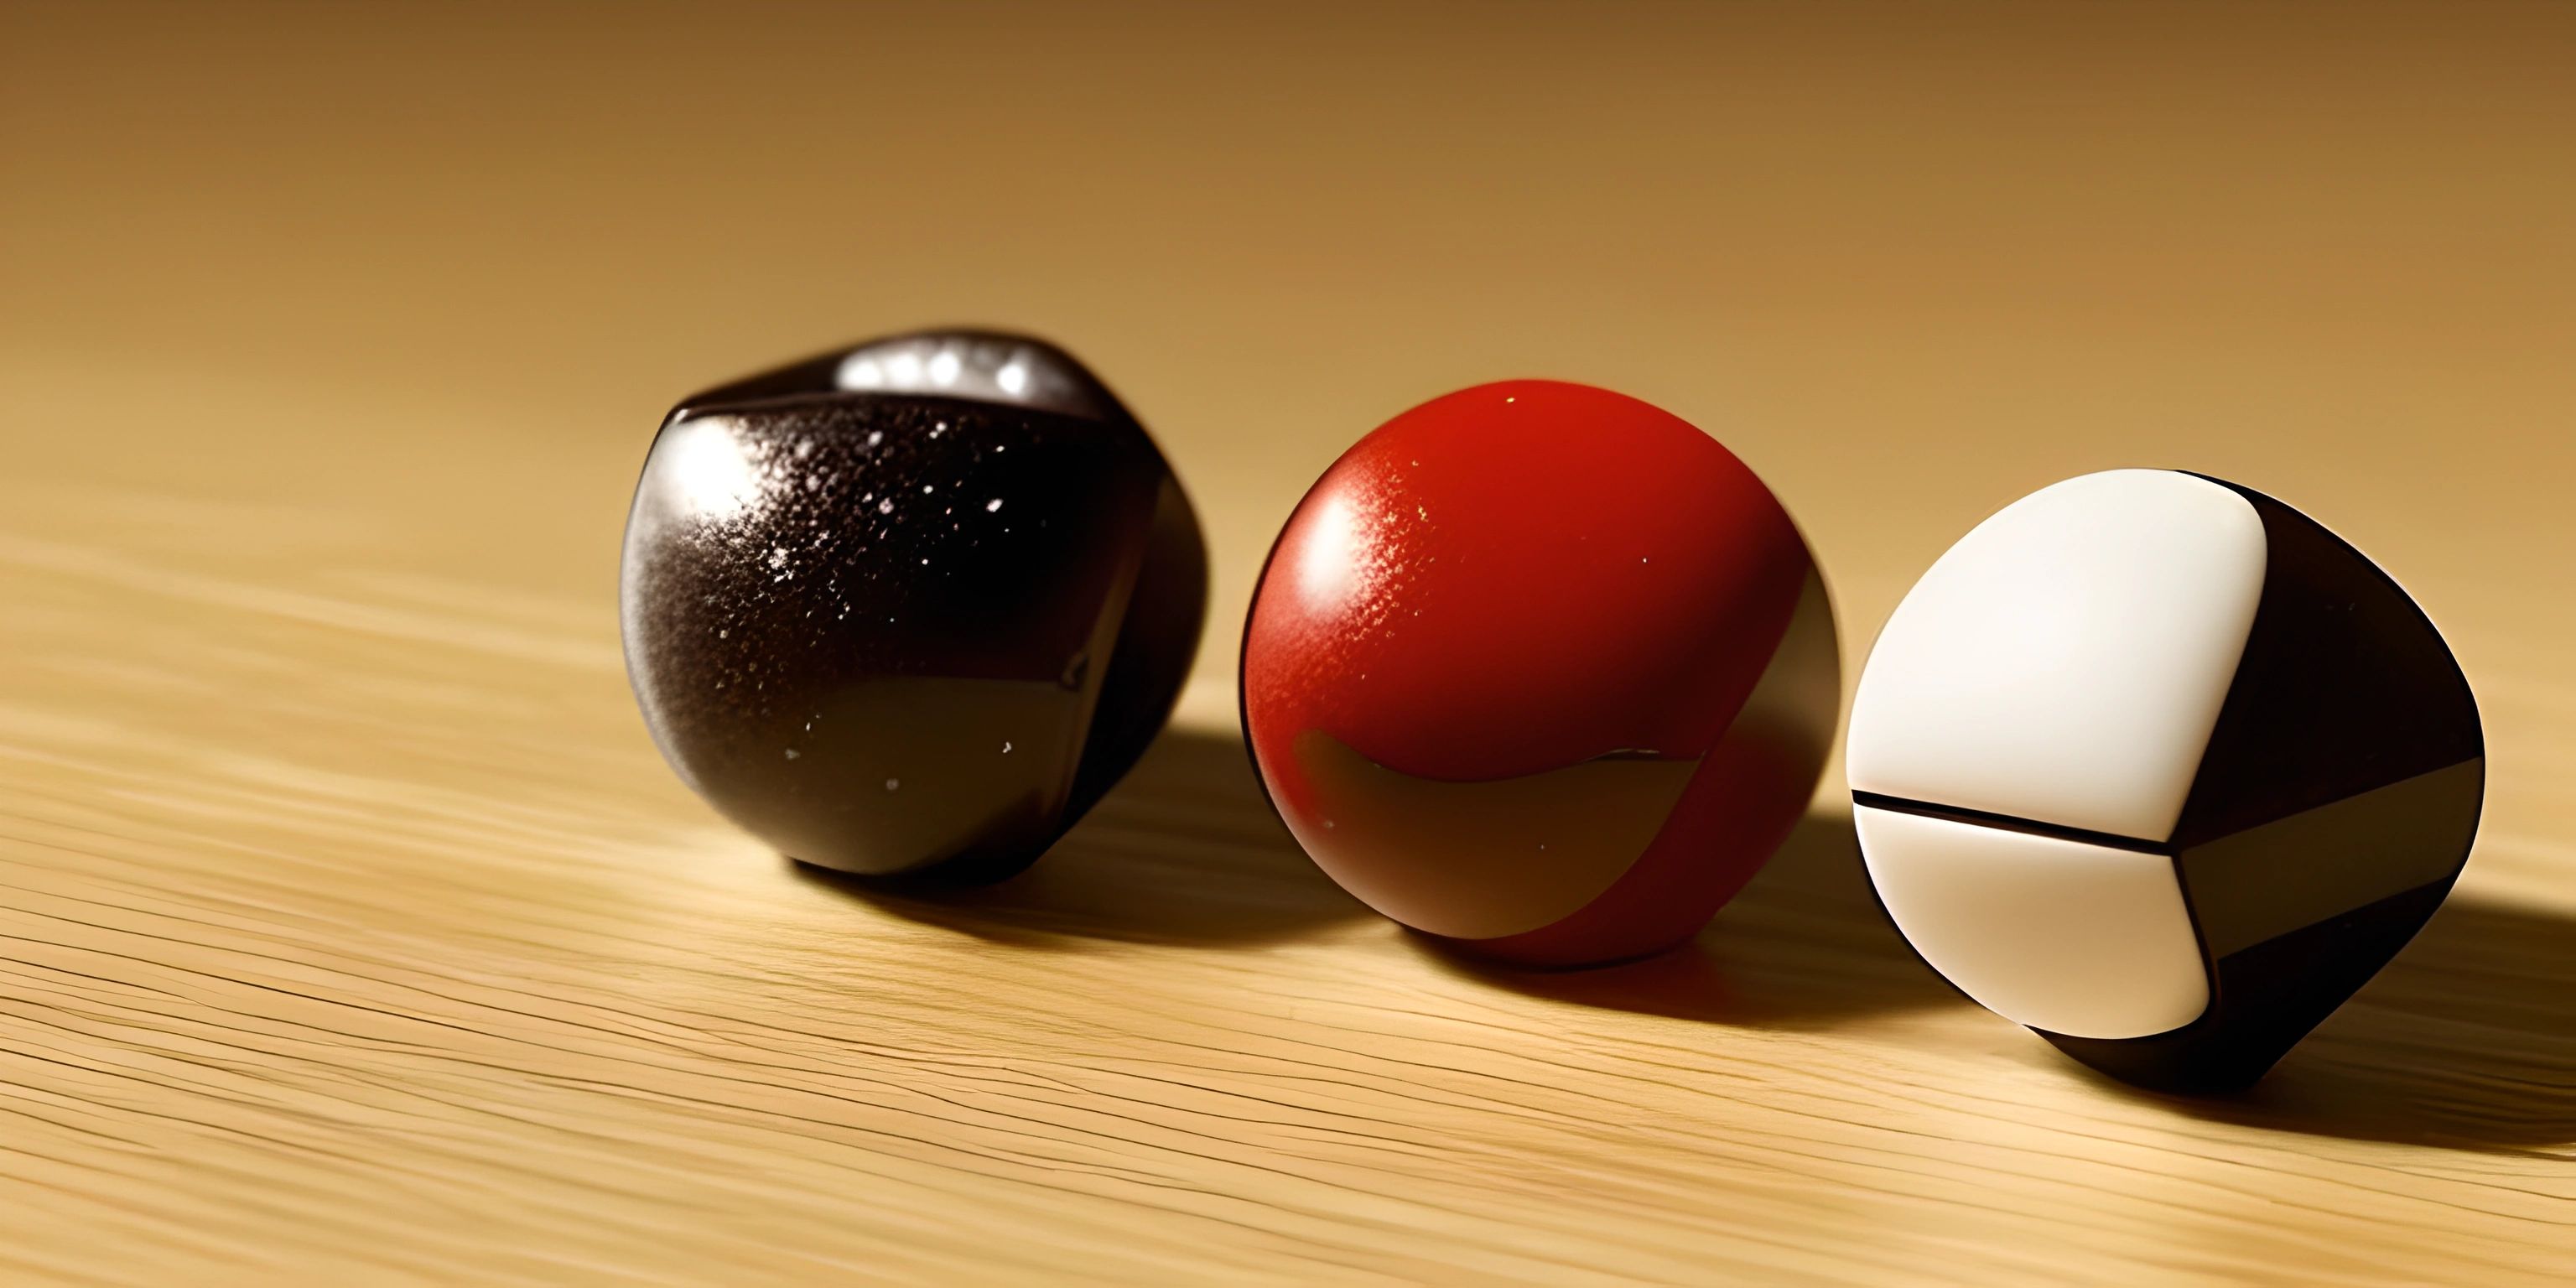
[1541,670]
[910,606]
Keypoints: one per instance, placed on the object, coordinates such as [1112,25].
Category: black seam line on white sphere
[2010,823]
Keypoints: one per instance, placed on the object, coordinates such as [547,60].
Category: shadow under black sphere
[1183,850]
[2467,1039]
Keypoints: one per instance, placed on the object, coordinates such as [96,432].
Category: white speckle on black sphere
[758,615]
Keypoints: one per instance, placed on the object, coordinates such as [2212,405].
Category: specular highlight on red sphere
[1540,669]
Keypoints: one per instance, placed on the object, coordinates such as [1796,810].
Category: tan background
[350,926]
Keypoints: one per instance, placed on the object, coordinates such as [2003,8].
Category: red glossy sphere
[1540,669]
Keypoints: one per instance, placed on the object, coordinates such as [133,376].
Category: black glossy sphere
[911,606]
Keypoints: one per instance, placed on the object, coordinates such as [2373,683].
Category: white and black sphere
[2164,770]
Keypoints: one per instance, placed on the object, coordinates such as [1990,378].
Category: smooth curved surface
[2077,939]
[1742,802]
[2066,660]
[1539,614]
[1480,860]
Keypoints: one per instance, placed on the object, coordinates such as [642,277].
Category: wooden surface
[351,930]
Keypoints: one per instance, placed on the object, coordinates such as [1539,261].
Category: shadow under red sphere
[1541,670]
